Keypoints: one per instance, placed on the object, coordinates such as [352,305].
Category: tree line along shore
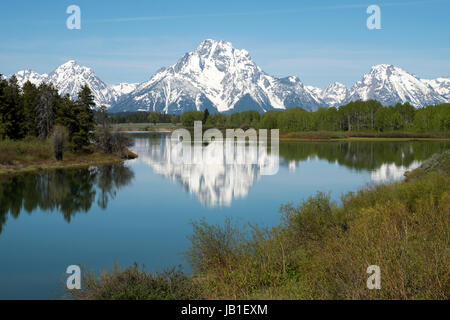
[358,119]
[39,129]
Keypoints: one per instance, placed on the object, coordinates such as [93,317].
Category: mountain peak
[336,84]
[70,63]
[390,84]
[209,43]
[210,48]
[383,66]
[222,78]
[29,75]
[219,77]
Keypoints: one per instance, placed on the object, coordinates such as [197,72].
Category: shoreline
[317,136]
[75,161]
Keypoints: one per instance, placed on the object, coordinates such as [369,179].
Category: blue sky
[319,41]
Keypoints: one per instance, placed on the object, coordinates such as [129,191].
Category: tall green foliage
[46,110]
[12,110]
[30,102]
[34,111]
[82,123]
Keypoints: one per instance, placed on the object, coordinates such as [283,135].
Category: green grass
[144,126]
[33,154]
[363,136]
[135,284]
[321,250]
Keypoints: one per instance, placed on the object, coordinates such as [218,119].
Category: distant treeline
[37,111]
[144,117]
[354,116]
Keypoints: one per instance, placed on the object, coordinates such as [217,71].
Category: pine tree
[46,110]
[205,115]
[3,106]
[30,101]
[13,113]
[83,124]
[102,117]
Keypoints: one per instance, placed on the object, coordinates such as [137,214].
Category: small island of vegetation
[39,129]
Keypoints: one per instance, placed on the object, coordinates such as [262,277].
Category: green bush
[29,148]
[134,283]
[322,250]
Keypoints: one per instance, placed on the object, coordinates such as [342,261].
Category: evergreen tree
[205,115]
[154,117]
[12,113]
[101,117]
[83,119]
[3,106]
[30,101]
[46,110]
[407,113]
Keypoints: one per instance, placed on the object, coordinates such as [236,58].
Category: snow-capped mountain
[222,78]
[389,85]
[70,77]
[441,86]
[124,88]
[332,96]
[335,94]
[218,77]
[29,75]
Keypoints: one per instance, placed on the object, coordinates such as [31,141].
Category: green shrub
[134,283]
[322,250]
[29,148]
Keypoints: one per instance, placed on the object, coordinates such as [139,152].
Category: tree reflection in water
[67,191]
[219,184]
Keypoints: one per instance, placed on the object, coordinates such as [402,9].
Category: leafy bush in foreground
[134,283]
[322,250]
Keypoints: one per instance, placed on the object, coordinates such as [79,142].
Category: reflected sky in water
[141,211]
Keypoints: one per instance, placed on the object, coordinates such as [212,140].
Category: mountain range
[222,78]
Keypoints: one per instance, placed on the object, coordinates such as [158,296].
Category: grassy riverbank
[33,154]
[158,127]
[321,250]
[369,136]
[303,135]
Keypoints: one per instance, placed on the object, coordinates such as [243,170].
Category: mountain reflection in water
[218,184]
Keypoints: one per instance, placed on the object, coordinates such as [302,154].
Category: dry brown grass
[322,250]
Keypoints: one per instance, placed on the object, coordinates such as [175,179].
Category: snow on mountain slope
[335,94]
[30,75]
[441,86]
[389,85]
[316,92]
[224,79]
[216,76]
[332,96]
[124,88]
[70,77]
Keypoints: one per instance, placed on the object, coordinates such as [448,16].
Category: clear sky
[319,41]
